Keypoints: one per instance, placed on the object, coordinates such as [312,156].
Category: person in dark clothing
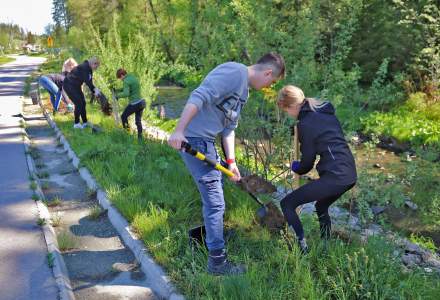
[131,90]
[319,133]
[53,83]
[83,73]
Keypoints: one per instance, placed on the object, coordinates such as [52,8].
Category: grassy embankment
[150,186]
[148,183]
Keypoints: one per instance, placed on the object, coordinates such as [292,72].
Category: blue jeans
[54,91]
[209,181]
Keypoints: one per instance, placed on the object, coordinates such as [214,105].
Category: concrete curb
[59,268]
[160,283]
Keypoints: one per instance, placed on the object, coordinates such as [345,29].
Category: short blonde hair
[292,95]
[69,64]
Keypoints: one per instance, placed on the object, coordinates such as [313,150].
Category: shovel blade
[197,236]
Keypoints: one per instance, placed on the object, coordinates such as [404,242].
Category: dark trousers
[136,109]
[76,95]
[324,193]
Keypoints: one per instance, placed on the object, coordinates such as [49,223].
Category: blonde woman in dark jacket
[319,133]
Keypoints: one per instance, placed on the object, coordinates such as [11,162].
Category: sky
[31,15]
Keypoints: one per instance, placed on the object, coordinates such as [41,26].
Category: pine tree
[60,14]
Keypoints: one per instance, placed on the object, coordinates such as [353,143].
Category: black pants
[76,95]
[324,193]
[136,109]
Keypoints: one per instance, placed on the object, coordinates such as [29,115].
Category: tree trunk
[164,42]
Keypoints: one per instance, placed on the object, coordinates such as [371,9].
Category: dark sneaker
[226,268]
[302,244]
[218,264]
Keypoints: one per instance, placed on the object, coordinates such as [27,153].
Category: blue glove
[295,165]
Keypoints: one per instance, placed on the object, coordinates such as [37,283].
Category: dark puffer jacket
[321,134]
[82,73]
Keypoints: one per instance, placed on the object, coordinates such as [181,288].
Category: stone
[410,259]
[373,229]
[428,270]
[337,212]
[411,247]
[376,209]
[353,222]
[308,208]
[411,205]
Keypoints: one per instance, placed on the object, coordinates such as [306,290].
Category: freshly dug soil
[274,219]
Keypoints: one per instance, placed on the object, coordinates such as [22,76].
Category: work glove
[295,165]
[70,107]
[97,92]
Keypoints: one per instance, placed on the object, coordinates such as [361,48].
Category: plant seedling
[65,241]
[41,221]
[50,259]
[33,185]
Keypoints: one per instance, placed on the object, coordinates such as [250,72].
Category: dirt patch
[274,219]
[256,184]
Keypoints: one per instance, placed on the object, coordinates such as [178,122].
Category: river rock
[308,208]
[411,247]
[410,259]
[354,223]
[376,209]
[378,166]
[411,205]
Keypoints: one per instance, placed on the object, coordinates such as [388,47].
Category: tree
[61,15]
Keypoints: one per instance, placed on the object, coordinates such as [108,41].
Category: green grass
[56,220]
[54,202]
[416,121]
[150,186]
[50,259]
[41,221]
[96,212]
[5,59]
[66,241]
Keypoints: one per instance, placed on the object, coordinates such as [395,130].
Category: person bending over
[213,109]
[131,90]
[319,133]
[53,83]
[72,84]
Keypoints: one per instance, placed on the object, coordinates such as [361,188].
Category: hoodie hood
[325,108]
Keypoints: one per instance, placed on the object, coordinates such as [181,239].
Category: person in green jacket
[131,90]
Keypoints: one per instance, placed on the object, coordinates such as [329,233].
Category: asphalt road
[24,271]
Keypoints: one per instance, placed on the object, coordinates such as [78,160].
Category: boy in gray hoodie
[212,109]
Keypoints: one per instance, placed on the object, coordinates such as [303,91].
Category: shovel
[115,105]
[296,182]
[197,234]
[261,212]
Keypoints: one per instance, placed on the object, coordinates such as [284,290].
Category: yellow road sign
[49,41]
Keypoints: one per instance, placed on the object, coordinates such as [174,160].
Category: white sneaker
[77,126]
[84,125]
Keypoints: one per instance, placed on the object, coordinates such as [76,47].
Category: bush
[139,57]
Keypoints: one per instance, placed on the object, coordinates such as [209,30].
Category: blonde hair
[292,95]
[69,64]
[94,59]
